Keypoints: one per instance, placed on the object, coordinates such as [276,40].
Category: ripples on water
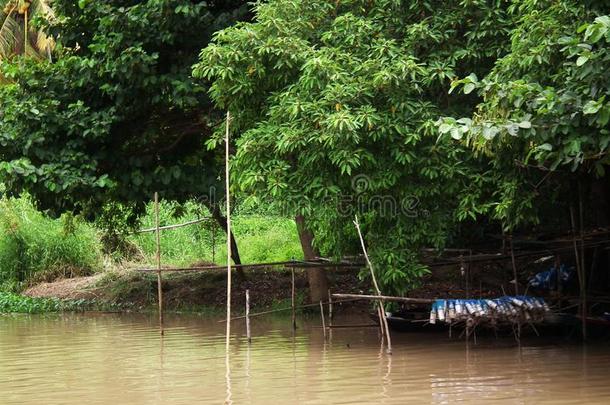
[121,359]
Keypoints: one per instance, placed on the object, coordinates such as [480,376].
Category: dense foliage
[431,120]
[116,115]
[544,105]
[335,105]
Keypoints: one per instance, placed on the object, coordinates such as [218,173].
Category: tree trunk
[316,276]
[222,221]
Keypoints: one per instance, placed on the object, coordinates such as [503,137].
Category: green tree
[116,115]
[545,108]
[335,104]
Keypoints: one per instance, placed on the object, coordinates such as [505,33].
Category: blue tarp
[547,280]
[506,307]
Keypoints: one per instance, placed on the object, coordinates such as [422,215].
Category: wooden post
[384,320]
[512,258]
[213,243]
[579,271]
[248,316]
[294,316]
[583,290]
[228,197]
[330,309]
[159,281]
[323,321]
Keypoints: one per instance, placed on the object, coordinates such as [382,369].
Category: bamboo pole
[322,316]
[248,316]
[292,303]
[175,226]
[381,326]
[158,254]
[386,298]
[384,320]
[228,198]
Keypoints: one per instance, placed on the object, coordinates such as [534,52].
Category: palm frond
[10,34]
[41,8]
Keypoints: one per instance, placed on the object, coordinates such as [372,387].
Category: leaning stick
[383,320]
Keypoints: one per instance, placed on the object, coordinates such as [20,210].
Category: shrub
[34,247]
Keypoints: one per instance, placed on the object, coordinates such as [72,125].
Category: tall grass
[260,238]
[35,247]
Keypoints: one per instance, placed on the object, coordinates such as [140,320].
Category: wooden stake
[228,197]
[384,319]
[323,321]
[248,316]
[213,243]
[159,281]
[512,258]
[579,271]
[583,290]
[292,299]
[330,309]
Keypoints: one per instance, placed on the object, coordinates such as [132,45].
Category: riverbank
[270,288]
[131,290]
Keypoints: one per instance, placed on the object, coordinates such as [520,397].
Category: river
[121,359]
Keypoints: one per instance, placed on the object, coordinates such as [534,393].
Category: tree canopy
[116,114]
[335,107]
[544,102]
[431,120]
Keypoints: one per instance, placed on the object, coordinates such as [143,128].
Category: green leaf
[591,107]
[444,128]
[545,146]
[468,88]
[490,132]
[456,133]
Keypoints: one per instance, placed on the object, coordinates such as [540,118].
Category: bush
[34,247]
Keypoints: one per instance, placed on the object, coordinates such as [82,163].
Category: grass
[35,247]
[15,303]
[260,238]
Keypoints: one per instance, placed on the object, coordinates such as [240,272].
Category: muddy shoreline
[270,288]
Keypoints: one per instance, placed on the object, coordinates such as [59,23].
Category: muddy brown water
[121,359]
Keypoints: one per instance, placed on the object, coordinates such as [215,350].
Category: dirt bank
[269,288]
[191,291]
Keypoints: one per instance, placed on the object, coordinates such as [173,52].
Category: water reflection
[112,359]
